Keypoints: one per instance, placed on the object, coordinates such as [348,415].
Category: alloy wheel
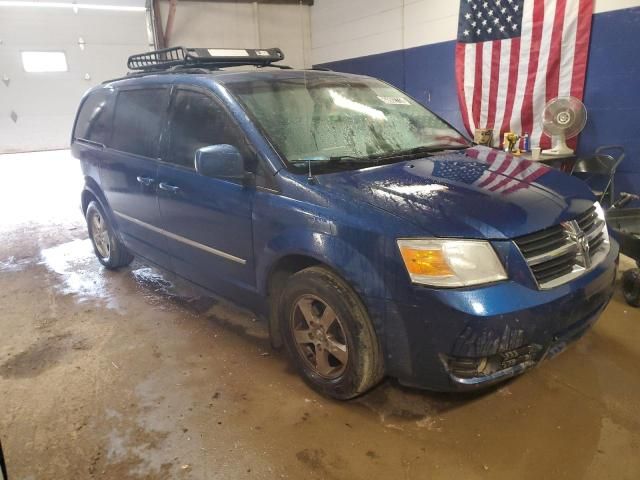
[319,336]
[100,235]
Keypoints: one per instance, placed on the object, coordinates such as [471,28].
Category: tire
[106,245]
[328,334]
[631,287]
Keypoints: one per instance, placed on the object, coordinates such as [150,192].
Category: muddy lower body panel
[471,341]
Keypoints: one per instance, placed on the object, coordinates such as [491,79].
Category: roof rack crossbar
[209,58]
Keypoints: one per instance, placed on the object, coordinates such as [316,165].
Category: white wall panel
[355,29]
[359,47]
[211,24]
[429,21]
[287,27]
[387,21]
[608,5]
[243,25]
[45,103]
[347,29]
[336,12]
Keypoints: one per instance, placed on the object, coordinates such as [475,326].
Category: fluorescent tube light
[80,6]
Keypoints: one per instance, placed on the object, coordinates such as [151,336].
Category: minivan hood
[475,193]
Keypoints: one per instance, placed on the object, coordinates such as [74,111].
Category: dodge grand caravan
[372,237]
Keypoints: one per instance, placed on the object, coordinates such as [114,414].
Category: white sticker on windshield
[394,100]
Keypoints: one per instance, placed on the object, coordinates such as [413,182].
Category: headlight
[600,214]
[451,262]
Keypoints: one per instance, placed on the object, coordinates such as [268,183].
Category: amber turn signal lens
[425,262]
[450,262]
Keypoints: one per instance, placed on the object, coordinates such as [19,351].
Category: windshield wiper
[338,159]
[348,159]
[376,159]
[331,164]
[410,152]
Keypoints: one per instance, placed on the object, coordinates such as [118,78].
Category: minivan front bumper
[464,339]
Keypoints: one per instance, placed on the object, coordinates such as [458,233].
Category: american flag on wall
[513,56]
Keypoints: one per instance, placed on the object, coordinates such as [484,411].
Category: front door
[211,241]
[129,170]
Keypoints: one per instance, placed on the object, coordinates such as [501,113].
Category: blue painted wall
[612,91]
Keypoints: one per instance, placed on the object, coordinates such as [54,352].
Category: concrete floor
[122,375]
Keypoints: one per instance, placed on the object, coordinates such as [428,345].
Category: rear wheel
[328,334]
[106,245]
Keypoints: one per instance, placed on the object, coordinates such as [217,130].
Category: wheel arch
[86,198]
[289,263]
[276,276]
[93,192]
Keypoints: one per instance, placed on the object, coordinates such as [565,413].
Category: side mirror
[220,161]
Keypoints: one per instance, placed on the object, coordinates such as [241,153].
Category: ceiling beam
[162,35]
[168,30]
[158,32]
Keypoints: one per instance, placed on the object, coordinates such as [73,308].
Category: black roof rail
[208,58]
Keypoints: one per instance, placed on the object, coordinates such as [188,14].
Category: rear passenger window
[138,121]
[198,121]
[94,119]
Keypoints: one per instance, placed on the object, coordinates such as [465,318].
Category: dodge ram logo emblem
[576,235]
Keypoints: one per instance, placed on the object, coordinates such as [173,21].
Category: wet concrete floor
[118,375]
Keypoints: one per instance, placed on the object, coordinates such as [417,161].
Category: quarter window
[94,119]
[138,121]
[198,121]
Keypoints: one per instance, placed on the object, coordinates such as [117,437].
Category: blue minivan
[373,238]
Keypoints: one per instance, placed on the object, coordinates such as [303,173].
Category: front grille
[560,253]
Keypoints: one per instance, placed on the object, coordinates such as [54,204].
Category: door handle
[168,188]
[146,181]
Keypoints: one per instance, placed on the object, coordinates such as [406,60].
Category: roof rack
[208,58]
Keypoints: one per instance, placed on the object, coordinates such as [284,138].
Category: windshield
[332,120]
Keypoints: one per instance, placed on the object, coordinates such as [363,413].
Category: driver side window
[198,121]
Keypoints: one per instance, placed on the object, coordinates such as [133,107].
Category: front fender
[361,271]
[349,262]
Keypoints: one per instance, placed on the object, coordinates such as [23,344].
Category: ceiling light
[73,6]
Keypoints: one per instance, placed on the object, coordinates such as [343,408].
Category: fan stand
[558,146]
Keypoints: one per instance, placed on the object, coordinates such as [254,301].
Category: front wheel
[108,248]
[328,334]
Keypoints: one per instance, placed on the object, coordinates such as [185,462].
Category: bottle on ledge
[526,142]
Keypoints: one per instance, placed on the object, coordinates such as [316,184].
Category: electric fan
[563,118]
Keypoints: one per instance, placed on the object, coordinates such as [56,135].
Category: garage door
[50,55]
